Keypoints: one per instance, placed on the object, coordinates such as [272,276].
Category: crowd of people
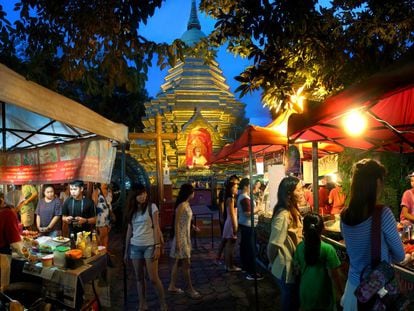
[54,215]
[298,257]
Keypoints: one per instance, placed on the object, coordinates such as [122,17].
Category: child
[315,260]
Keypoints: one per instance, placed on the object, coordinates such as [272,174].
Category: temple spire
[193,22]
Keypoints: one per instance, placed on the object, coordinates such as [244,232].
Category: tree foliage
[88,50]
[93,50]
[298,42]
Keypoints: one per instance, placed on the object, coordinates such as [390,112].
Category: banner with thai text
[90,160]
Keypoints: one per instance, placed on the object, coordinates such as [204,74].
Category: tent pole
[3,124]
[315,174]
[124,225]
[252,207]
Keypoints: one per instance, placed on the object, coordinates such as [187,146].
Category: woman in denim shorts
[143,243]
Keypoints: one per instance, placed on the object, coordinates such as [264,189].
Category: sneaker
[217,262]
[234,269]
[250,277]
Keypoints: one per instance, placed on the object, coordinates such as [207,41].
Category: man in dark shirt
[78,211]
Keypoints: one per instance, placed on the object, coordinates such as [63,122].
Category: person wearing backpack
[316,262]
[356,223]
[143,243]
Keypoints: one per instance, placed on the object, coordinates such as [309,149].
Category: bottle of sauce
[72,241]
[80,242]
[94,244]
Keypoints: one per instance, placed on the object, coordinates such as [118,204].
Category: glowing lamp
[354,123]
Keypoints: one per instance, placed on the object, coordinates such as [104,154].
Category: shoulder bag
[378,289]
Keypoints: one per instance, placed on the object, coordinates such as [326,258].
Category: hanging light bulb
[354,123]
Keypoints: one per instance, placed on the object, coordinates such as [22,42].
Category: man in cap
[78,211]
[407,204]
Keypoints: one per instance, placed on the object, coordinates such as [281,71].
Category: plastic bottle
[72,241]
[80,242]
[94,244]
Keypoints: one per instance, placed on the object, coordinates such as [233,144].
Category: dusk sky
[168,24]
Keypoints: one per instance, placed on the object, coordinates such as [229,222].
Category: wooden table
[67,285]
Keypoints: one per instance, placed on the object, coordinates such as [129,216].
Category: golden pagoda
[195,103]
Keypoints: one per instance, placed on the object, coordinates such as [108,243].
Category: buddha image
[198,149]
[198,158]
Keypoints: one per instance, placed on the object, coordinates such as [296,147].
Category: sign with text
[89,160]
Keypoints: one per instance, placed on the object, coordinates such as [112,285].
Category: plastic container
[59,256]
[74,258]
[47,261]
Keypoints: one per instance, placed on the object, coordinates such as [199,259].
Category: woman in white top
[143,243]
[285,235]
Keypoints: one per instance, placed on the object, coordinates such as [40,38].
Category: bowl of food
[45,249]
[61,240]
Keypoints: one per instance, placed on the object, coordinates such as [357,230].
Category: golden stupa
[195,103]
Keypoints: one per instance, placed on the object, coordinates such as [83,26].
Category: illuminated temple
[195,103]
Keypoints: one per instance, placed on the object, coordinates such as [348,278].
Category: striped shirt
[358,244]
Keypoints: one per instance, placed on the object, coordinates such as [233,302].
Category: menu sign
[89,160]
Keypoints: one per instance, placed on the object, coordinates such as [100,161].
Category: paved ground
[220,290]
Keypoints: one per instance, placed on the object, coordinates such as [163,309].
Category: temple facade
[195,103]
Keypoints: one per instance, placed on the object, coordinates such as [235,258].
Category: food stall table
[67,285]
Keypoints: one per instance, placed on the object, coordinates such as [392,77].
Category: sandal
[194,294]
[175,291]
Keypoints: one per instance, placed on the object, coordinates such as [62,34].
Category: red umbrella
[263,140]
[385,99]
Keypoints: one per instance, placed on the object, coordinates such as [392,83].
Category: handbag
[378,289]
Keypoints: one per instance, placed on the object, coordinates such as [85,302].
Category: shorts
[141,252]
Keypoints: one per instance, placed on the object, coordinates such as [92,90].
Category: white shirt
[142,228]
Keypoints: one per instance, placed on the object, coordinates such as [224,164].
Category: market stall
[46,137]
[385,104]
[271,147]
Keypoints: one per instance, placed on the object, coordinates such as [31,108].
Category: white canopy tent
[34,116]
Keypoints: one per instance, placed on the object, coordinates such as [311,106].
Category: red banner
[89,160]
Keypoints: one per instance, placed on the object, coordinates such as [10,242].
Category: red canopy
[387,100]
[262,140]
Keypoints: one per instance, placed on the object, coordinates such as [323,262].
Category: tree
[90,51]
[298,42]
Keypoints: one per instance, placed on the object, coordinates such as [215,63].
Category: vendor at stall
[78,211]
[337,198]
[9,229]
[407,204]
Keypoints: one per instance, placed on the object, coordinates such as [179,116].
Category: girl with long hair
[49,213]
[181,242]
[143,242]
[316,262]
[230,226]
[285,235]
[356,221]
